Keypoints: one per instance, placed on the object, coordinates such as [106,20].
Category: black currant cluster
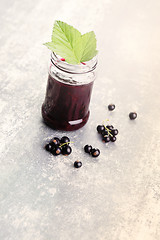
[57,146]
[93,151]
[108,133]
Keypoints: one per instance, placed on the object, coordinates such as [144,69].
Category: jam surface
[66,106]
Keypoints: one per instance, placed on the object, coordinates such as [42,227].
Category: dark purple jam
[66,106]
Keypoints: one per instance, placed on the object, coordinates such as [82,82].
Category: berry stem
[108,130]
[106,120]
[65,143]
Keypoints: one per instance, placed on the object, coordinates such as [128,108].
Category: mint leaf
[70,44]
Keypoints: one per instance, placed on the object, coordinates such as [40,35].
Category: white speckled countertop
[114,197]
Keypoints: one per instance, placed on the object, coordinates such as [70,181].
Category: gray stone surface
[114,197]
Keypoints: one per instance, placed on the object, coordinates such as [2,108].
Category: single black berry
[110,127]
[133,115]
[100,128]
[95,152]
[56,151]
[77,164]
[105,133]
[88,148]
[111,107]
[106,139]
[114,132]
[49,147]
[113,139]
[56,141]
[65,140]
[66,150]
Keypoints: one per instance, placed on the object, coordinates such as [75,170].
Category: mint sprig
[69,43]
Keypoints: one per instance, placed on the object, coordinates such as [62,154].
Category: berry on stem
[110,127]
[66,150]
[56,141]
[56,151]
[113,139]
[106,139]
[100,128]
[64,140]
[49,147]
[105,133]
[114,132]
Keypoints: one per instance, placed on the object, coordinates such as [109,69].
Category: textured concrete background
[114,197]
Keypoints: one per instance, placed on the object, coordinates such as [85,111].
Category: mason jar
[68,94]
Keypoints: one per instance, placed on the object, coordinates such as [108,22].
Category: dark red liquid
[66,106]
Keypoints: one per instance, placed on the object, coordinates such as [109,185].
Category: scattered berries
[57,146]
[108,133]
[93,151]
[88,148]
[77,164]
[111,107]
[133,115]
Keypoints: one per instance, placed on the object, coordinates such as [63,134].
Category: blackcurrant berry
[65,140]
[133,115]
[56,151]
[110,127]
[105,133]
[56,141]
[113,139]
[114,132]
[77,164]
[66,150]
[87,148]
[49,147]
[106,139]
[95,152]
[111,107]
[100,128]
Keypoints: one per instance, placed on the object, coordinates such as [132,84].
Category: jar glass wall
[68,93]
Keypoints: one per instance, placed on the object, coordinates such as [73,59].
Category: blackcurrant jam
[68,93]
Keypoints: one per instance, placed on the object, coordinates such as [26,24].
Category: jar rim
[89,66]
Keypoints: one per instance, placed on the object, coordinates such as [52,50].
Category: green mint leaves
[68,42]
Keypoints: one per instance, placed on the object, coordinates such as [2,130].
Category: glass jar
[68,93]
